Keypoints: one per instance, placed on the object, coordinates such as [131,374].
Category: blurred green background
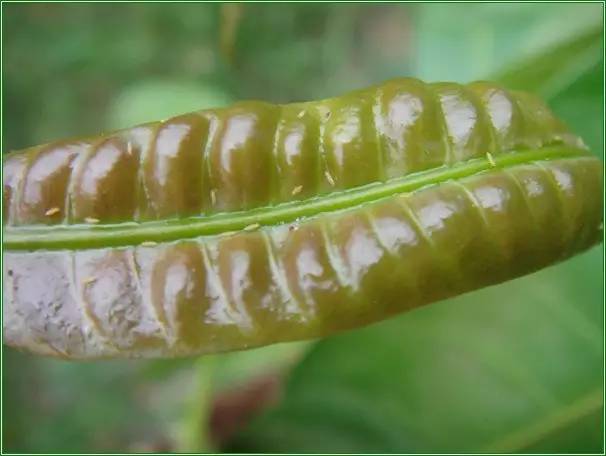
[514,368]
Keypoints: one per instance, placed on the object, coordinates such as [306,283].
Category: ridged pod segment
[462,187]
[255,154]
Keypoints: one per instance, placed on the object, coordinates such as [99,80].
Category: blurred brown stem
[231,14]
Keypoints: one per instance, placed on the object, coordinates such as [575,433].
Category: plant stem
[193,434]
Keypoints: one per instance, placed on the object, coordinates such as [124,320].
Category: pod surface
[238,227]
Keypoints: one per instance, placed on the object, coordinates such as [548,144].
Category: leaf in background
[557,69]
[236,368]
[512,368]
[509,368]
[192,385]
[581,106]
[152,100]
[489,36]
[73,407]
[570,77]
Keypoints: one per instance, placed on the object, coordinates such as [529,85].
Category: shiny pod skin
[238,227]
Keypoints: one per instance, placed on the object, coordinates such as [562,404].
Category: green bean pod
[243,226]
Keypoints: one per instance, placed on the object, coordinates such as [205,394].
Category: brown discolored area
[172,170]
[313,277]
[141,139]
[409,126]
[13,168]
[251,288]
[241,164]
[350,140]
[296,155]
[178,282]
[46,183]
[374,274]
[106,186]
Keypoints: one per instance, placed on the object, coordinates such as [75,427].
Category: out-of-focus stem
[194,434]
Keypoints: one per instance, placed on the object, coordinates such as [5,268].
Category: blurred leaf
[157,100]
[190,384]
[122,405]
[236,368]
[509,368]
[486,37]
[552,72]
[73,407]
[570,77]
[581,107]
[64,63]
[229,372]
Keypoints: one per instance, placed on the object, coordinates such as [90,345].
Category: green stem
[194,430]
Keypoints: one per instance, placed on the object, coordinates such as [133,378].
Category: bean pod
[238,227]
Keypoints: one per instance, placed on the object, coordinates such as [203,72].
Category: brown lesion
[372,271]
[296,155]
[410,127]
[178,280]
[139,141]
[42,198]
[242,168]
[258,292]
[172,171]
[105,188]
[313,277]
[351,143]
[14,168]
